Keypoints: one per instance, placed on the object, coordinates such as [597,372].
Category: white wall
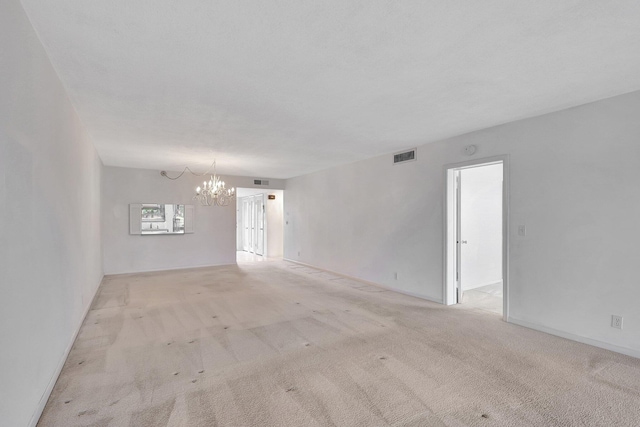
[50,259]
[481,224]
[275,224]
[239,223]
[214,240]
[574,184]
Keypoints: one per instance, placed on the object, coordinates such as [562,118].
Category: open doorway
[476,251]
[259,224]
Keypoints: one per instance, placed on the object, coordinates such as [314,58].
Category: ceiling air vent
[260,182]
[405,156]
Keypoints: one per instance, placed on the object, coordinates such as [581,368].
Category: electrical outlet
[522,230]
[395,275]
[298,253]
[616,322]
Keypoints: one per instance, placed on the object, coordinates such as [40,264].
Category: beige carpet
[278,344]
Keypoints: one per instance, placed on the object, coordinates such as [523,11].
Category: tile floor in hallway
[488,298]
[248,257]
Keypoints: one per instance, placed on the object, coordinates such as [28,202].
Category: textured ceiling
[282,88]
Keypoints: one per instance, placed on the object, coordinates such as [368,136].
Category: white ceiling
[282,88]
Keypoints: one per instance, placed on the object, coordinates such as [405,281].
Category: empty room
[305,213]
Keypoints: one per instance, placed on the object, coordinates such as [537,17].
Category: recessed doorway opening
[476,242]
[259,224]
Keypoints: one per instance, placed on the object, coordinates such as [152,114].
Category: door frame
[450,226]
[249,214]
[245,234]
[260,218]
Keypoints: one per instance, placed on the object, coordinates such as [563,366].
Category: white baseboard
[54,378]
[623,350]
[156,270]
[388,288]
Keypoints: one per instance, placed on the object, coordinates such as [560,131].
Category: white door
[459,242]
[246,224]
[253,223]
[479,227]
[259,215]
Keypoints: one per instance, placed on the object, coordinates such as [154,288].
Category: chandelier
[212,192]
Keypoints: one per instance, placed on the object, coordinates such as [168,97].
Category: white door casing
[452,274]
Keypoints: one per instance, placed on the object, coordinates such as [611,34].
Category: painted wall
[239,224]
[50,248]
[481,224]
[275,224]
[574,184]
[214,240]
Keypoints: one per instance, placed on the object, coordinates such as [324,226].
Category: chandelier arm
[222,200]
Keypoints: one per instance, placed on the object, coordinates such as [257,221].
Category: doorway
[476,249]
[259,218]
[252,224]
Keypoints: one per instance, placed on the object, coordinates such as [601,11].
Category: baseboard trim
[54,378]
[377,285]
[124,273]
[573,337]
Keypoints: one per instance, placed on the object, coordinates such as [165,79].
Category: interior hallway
[280,344]
[243,257]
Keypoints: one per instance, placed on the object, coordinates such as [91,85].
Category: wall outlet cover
[616,322]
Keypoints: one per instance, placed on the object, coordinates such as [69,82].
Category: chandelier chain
[212,192]
[187,168]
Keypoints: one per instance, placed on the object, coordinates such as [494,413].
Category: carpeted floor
[279,344]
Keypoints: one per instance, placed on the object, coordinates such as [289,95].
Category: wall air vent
[260,182]
[405,156]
